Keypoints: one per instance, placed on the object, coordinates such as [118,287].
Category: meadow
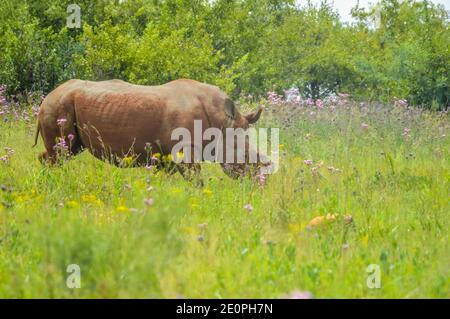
[379,176]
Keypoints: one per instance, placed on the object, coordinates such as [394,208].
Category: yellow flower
[123,209]
[176,190]
[72,204]
[127,161]
[169,158]
[207,191]
[22,198]
[188,230]
[281,146]
[88,198]
[157,155]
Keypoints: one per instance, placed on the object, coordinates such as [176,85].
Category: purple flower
[61,122]
[308,162]
[261,178]
[309,102]
[402,103]
[248,207]
[148,201]
[70,137]
[274,98]
[319,104]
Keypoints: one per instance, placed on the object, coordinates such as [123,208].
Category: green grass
[92,214]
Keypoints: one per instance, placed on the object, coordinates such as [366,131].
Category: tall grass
[387,167]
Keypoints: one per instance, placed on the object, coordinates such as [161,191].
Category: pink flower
[319,104]
[71,137]
[308,162]
[61,122]
[248,207]
[148,201]
[261,178]
[402,103]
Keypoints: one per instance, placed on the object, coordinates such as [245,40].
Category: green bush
[244,46]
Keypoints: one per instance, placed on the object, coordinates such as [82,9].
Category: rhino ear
[230,109]
[253,117]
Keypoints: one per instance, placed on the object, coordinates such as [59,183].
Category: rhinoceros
[113,119]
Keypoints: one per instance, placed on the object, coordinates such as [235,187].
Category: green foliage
[244,46]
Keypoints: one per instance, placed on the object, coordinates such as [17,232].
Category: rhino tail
[37,134]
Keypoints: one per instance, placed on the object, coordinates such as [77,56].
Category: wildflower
[127,161]
[70,137]
[123,209]
[402,103]
[309,102]
[207,191]
[200,238]
[72,204]
[176,190]
[293,96]
[61,121]
[308,162]
[180,156]
[261,179]
[364,125]
[319,104]
[155,158]
[148,201]
[248,207]
[149,189]
[88,198]
[274,98]
[149,167]
[297,294]
[61,145]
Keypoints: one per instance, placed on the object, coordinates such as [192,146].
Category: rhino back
[116,116]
